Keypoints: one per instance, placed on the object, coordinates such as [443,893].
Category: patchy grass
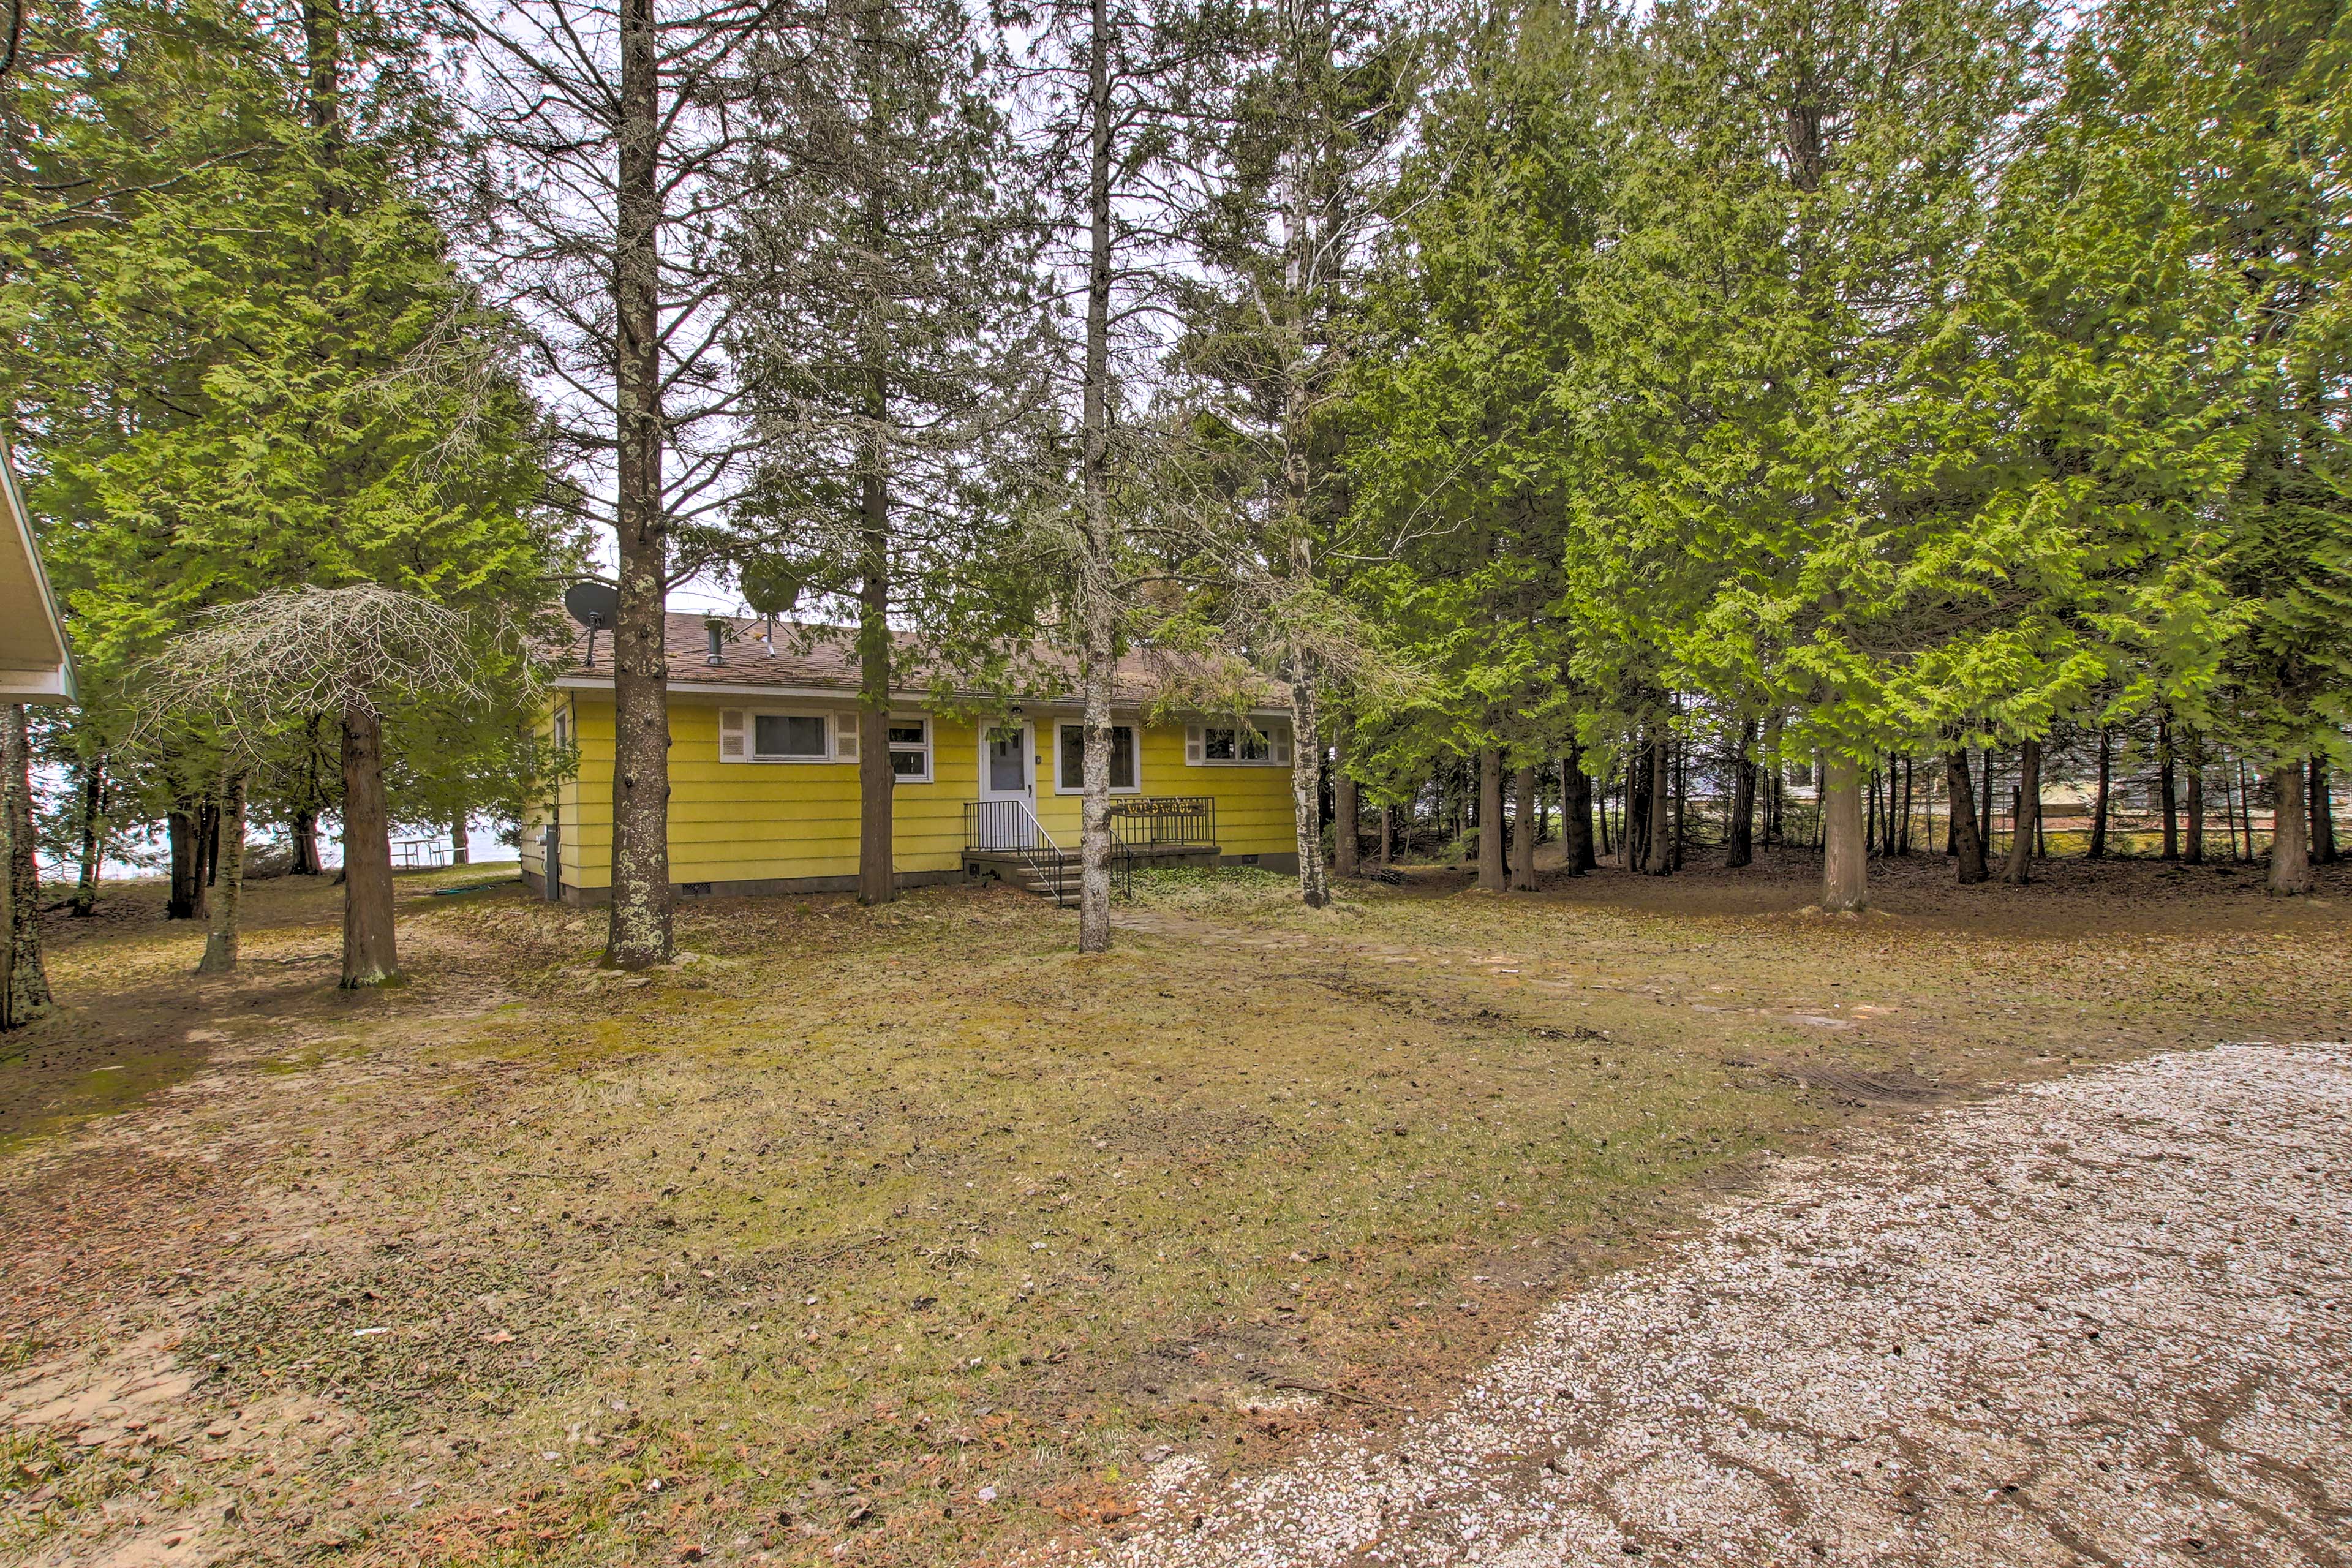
[908,1236]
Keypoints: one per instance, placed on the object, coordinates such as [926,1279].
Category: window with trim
[1072,774]
[910,750]
[1235,745]
[790,737]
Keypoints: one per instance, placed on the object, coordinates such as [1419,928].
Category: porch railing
[1163,821]
[1140,825]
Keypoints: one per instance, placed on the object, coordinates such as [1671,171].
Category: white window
[747,736]
[910,750]
[1126,777]
[1236,746]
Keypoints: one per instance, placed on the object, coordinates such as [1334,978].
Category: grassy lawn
[911,1237]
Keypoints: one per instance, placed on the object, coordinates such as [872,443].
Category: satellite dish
[593,605]
[770,587]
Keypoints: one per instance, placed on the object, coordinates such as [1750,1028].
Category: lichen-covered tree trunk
[1968,843]
[220,940]
[1658,836]
[2290,843]
[461,849]
[1845,861]
[1491,878]
[1346,853]
[94,836]
[2025,826]
[25,989]
[370,954]
[1306,782]
[639,932]
[1523,831]
[1093,805]
[1099,642]
[876,786]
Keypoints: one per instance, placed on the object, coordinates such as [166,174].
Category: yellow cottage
[763,777]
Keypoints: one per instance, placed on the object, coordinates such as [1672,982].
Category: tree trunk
[220,942]
[1523,831]
[1845,863]
[93,839]
[1742,851]
[24,988]
[2099,801]
[208,843]
[2245,809]
[1492,874]
[306,861]
[370,955]
[184,901]
[2166,800]
[1346,853]
[2193,821]
[639,932]
[2323,814]
[461,851]
[1387,839]
[1098,633]
[1984,827]
[2016,870]
[1681,800]
[1575,813]
[1658,836]
[1969,846]
[877,785]
[2290,846]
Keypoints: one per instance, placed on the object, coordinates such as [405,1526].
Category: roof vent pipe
[714,655]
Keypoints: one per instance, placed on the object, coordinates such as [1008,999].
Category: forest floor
[911,1237]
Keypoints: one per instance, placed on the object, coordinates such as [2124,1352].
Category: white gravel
[2103,1320]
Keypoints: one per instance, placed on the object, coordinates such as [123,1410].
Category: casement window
[1235,746]
[1071,755]
[747,735]
[910,750]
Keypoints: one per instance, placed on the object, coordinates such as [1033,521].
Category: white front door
[1004,765]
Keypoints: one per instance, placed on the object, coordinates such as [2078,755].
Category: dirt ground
[908,1236]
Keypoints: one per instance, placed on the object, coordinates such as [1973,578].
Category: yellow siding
[735,822]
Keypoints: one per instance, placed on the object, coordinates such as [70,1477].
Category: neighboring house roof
[822,660]
[36,666]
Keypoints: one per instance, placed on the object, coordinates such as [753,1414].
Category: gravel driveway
[2103,1320]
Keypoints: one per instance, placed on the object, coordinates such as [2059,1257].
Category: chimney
[715,656]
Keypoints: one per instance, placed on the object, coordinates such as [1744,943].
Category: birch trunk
[370,953]
[1845,863]
[25,989]
[220,940]
[640,929]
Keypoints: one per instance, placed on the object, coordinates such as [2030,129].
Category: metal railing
[1010,828]
[1156,821]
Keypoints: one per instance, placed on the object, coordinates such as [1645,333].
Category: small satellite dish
[770,587]
[593,605]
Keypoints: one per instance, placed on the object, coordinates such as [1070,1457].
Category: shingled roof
[806,658]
